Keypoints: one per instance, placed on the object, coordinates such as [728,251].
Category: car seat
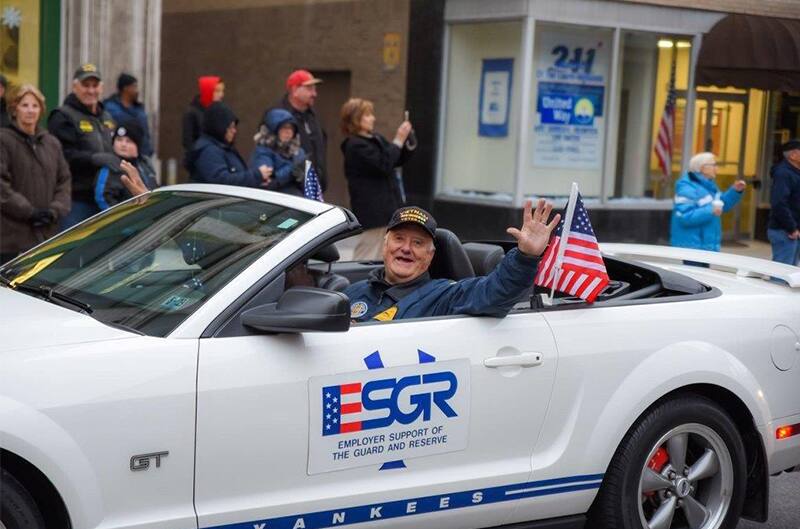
[450,260]
[328,280]
[483,257]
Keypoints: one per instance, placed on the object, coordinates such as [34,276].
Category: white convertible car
[186,360]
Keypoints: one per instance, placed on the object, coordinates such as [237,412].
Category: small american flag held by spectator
[577,267]
[311,187]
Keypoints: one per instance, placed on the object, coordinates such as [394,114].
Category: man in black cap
[783,229]
[84,129]
[404,289]
[125,106]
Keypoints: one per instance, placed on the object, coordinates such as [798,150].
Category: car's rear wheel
[682,466]
[18,510]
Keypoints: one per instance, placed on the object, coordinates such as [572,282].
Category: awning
[749,51]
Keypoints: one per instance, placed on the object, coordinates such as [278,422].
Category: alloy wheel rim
[693,490]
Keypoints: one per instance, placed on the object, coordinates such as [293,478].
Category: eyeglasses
[711,164]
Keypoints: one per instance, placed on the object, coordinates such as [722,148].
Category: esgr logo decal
[385,415]
[344,403]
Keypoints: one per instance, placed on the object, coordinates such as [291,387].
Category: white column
[612,119]
[526,96]
[691,93]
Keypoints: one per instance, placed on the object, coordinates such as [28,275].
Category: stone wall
[117,36]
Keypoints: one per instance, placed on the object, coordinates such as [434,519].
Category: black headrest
[326,254]
[450,260]
[484,257]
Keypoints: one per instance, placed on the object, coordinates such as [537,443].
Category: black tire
[619,501]
[18,510]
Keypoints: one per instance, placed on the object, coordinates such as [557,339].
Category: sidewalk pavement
[750,248]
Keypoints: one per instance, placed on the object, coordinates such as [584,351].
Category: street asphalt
[784,504]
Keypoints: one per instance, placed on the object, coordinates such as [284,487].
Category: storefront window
[482,110]
[569,108]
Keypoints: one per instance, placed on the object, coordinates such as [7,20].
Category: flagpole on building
[573,199]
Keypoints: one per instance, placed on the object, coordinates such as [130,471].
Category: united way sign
[571,74]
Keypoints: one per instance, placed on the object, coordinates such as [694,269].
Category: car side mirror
[301,309]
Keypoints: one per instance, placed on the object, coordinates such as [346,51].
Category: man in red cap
[301,92]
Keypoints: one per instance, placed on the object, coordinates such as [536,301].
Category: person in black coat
[369,165]
[783,229]
[215,160]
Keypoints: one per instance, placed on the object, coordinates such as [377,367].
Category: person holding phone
[369,166]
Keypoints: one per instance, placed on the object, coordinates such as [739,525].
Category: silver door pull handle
[520,360]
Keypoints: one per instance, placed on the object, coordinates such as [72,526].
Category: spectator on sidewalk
[215,160]
[278,147]
[5,119]
[210,90]
[783,229]
[125,106]
[699,204]
[109,186]
[369,163]
[84,128]
[34,177]
[301,93]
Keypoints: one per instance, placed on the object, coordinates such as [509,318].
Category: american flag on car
[574,266]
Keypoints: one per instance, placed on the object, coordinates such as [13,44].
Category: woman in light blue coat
[699,205]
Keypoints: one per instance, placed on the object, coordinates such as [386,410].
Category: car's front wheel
[681,466]
[18,510]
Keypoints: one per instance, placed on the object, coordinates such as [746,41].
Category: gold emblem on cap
[89,67]
[413,215]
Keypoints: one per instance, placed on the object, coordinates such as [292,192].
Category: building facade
[510,99]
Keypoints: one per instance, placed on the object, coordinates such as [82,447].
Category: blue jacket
[785,197]
[491,295]
[214,162]
[121,114]
[694,224]
[109,189]
[285,169]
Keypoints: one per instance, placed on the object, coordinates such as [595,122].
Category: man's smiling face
[407,253]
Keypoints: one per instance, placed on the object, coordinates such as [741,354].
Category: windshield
[151,262]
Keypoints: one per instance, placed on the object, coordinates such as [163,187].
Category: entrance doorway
[720,126]
[333,92]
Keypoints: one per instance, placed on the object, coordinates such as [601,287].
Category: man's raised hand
[533,236]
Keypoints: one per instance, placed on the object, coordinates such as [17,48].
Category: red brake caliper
[657,462]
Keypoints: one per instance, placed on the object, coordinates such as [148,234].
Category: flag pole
[573,199]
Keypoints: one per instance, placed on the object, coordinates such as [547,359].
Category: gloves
[42,217]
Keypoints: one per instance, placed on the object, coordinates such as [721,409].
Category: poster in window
[495,97]
[571,76]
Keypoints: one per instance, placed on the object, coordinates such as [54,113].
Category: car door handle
[520,360]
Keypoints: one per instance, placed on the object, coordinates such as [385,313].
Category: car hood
[30,322]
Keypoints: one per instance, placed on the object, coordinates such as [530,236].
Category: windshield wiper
[49,294]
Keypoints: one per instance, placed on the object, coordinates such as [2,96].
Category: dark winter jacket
[785,197]
[491,295]
[33,176]
[215,161]
[286,159]
[369,164]
[313,138]
[192,125]
[5,119]
[83,137]
[121,114]
[109,189]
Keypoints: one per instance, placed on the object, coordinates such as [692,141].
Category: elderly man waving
[404,289]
